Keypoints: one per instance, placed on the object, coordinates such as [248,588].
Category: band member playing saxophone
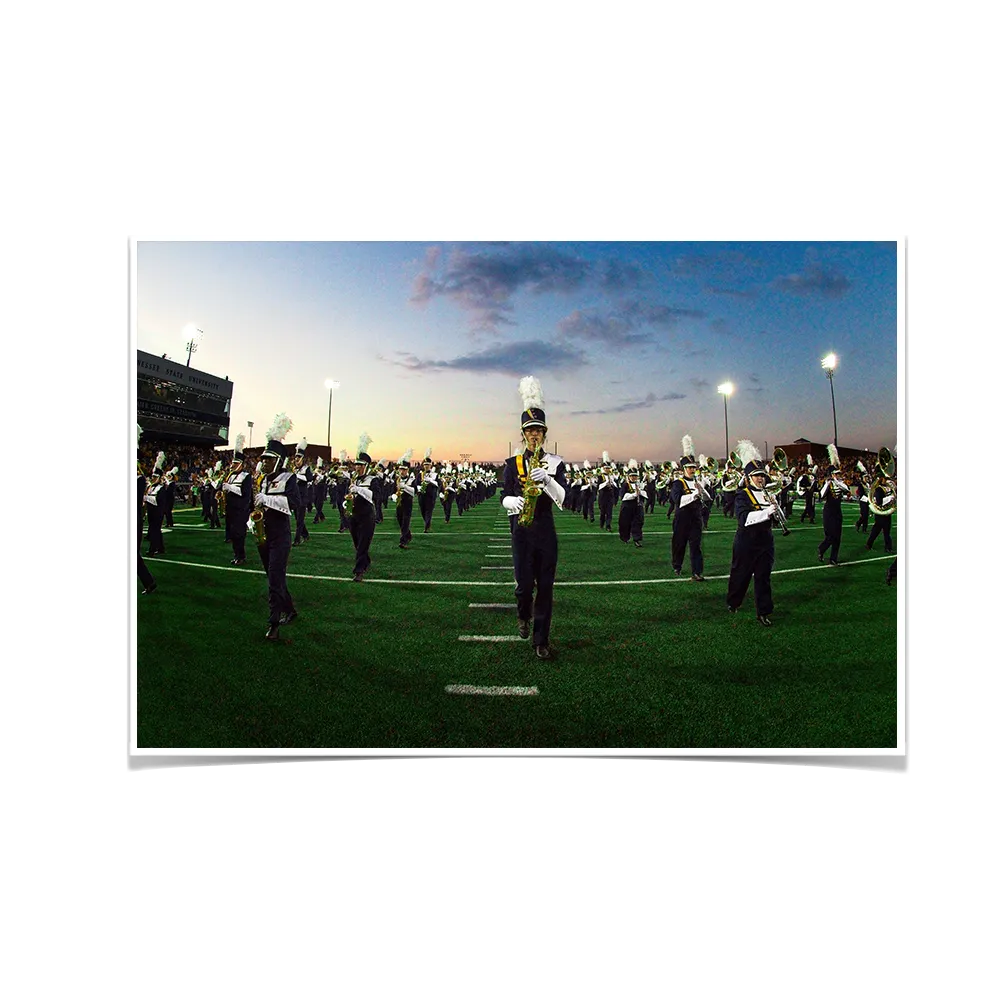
[279,498]
[533,481]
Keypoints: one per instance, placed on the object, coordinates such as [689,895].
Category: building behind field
[849,457]
[176,403]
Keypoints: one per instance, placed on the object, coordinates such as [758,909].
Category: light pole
[331,385]
[829,363]
[727,390]
[192,337]
[250,425]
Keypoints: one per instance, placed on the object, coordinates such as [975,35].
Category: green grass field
[642,659]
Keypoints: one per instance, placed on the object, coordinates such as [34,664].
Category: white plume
[218,466]
[687,445]
[160,459]
[303,444]
[576,468]
[809,460]
[531,392]
[175,470]
[673,465]
[319,464]
[747,451]
[343,455]
[405,457]
[586,463]
[831,450]
[279,428]
[427,455]
[648,464]
[633,464]
[604,457]
[702,461]
[861,468]
[138,432]
[363,442]
[240,438]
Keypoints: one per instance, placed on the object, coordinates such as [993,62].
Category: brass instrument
[530,490]
[256,513]
[781,462]
[884,480]
[220,499]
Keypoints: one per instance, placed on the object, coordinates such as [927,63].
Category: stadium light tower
[192,337]
[829,363]
[331,385]
[250,442]
[727,390]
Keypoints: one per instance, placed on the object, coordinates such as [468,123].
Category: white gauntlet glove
[514,505]
[540,476]
[258,500]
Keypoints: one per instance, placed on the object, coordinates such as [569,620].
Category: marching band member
[532,483]
[214,484]
[705,480]
[407,483]
[338,488]
[861,492]
[605,492]
[631,514]
[170,492]
[382,488]
[806,488]
[156,505]
[305,477]
[753,545]
[729,487]
[883,497]
[319,491]
[449,491]
[587,491]
[428,490]
[688,496]
[650,486]
[279,497]
[362,517]
[832,493]
[237,490]
[145,577]
[675,475]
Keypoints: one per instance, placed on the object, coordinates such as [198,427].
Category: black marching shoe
[638,545]
[357,578]
[731,609]
[543,652]
[522,628]
[763,619]
[150,588]
[821,559]
[288,617]
[272,633]
[697,578]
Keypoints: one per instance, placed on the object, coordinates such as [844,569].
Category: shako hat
[754,468]
[531,398]
[278,429]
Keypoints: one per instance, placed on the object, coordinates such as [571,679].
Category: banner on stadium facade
[151,366]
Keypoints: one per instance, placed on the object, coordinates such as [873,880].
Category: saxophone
[220,498]
[256,513]
[349,496]
[530,490]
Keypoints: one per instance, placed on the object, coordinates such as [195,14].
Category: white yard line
[507,607]
[491,638]
[471,689]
